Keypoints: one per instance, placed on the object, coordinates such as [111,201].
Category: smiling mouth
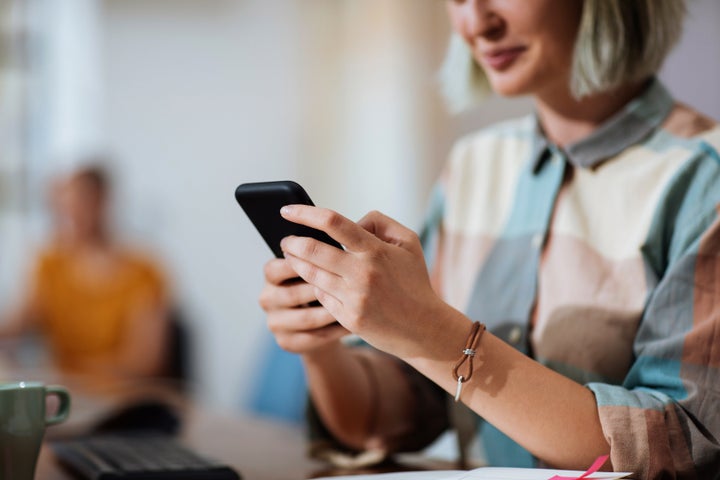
[502,59]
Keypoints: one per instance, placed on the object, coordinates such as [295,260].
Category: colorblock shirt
[600,260]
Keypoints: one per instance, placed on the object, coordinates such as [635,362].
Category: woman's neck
[566,120]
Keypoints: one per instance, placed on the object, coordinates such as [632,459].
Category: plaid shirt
[602,261]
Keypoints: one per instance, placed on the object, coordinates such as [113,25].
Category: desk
[258,449]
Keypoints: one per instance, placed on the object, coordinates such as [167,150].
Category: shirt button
[515,335]
[536,240]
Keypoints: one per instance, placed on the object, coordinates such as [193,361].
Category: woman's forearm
[361,395]
[553,417]
[379,289]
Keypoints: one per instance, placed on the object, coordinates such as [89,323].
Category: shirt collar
[627,127]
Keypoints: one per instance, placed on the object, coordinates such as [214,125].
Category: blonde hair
[618,41]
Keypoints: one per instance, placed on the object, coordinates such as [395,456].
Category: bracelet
[468,353]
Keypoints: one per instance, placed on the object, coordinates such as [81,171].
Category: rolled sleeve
[664,421]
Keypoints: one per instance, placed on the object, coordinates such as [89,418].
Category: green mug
[22,425]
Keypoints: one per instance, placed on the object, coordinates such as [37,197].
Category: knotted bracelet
[468,353]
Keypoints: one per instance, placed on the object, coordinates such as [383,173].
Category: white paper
[492,473]
[485,473]
[421,475]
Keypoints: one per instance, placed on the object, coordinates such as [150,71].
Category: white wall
[196,105]
[201,96]
[692,71]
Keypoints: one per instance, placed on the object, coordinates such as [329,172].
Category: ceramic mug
[22,425]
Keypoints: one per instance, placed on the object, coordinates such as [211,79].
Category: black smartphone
[262,202]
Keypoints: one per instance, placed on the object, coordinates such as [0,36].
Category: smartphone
[262,202]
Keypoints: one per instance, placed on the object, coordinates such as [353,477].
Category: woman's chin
[509,88]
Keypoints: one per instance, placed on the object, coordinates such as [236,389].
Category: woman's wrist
[323,354]
[440,339]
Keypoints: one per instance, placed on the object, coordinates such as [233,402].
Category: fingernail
[286,210]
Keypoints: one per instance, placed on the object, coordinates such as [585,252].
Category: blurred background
[189,98]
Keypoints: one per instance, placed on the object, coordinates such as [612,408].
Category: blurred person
[584,237]
[101,307]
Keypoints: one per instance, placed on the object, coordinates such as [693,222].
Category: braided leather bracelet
[476,333]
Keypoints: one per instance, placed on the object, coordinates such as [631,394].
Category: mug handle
[63,409]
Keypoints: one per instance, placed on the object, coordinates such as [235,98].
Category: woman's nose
[480,19]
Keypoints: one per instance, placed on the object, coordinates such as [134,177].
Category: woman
[584,237]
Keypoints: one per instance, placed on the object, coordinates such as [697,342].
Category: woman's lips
[502,59]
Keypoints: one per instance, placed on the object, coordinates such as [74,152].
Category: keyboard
[136,457]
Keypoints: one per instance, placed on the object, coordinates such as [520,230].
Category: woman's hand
[378,287]
[297,327]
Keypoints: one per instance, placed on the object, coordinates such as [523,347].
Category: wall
[194,107]
[201,96]
[692,71]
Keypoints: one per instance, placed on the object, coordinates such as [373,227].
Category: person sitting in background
[585,237]
[102,307]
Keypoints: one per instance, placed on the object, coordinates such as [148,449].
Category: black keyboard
[137,457]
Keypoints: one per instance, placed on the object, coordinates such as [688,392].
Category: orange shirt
[85,314]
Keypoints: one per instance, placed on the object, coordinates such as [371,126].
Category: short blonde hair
[618,41]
